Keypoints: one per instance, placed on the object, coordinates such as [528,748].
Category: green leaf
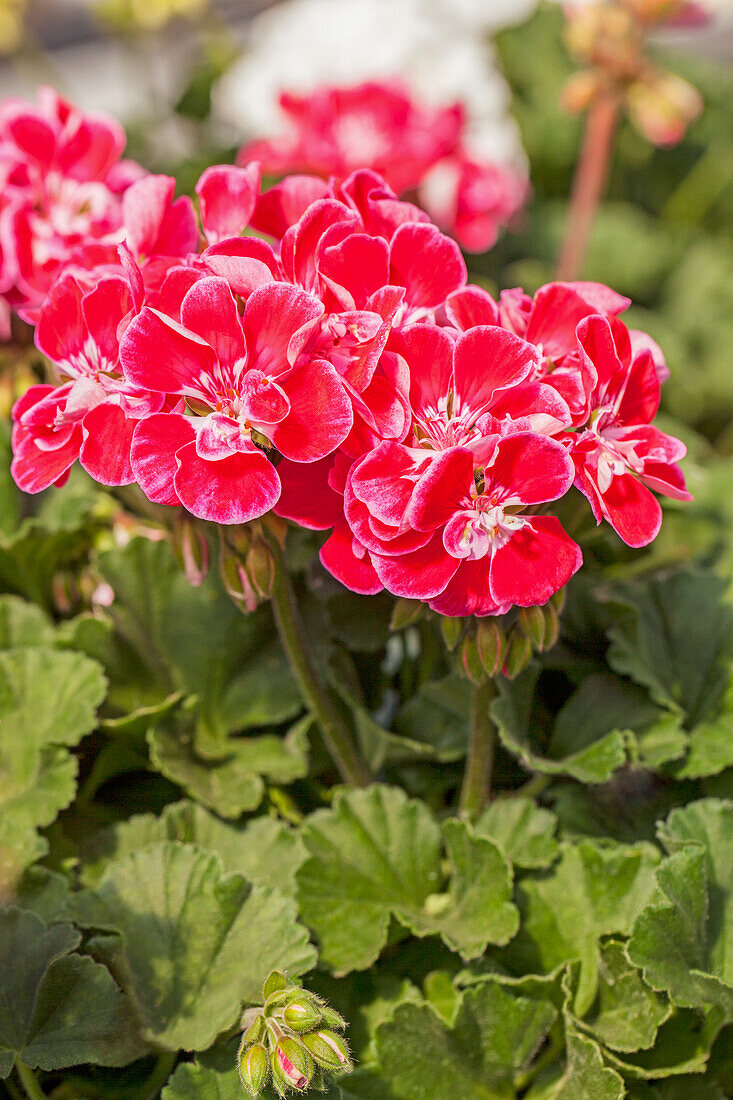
[233,784]
[585,1075]
[44,893]
[56,1008]
[683,943]
[377,854]
[496,1036]
[674,640]
[212,1077]
[626,1014]
[196,942]
[587,747]
[592,891]
[437,715]
[682,1045]
[47,697]
[265,851]
[23,624]
[524,832]
[173,637]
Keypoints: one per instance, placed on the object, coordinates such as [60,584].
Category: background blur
[193,79]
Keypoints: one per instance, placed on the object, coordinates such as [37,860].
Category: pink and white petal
[159,354]
[428,352]
[34,470]
[428,264]
[488,359]
[245,262]
[104,308]
[227,198]
[420,575]
[468,592]
[105,452]
[667,479]
[155,443]
[179,231]
[536,562]
[263,401]
[545,410]
[320,416]
[61,330]
[471,306]
[349,562]
[210,311]
[641,392]
[384,480]
[144,205]
[598,348]
[285,203]
[558,309]
[235,490]
[632,510]
[441,490]
[218,437]
[530,468]
[273,315]
[355,269]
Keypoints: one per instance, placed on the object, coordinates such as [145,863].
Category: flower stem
[476,787]
[588,185]
[336,735]
[28,1080]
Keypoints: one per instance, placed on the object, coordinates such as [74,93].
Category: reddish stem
[589,184]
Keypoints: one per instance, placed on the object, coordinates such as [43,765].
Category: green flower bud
[254,1068]
[405,613]
[557,599]
[471,661]
[330,1017]
[491,642]
[236,583]
[328,1049]
[552,626]
[532,622]
[275,980]
[301,1014]
[191,548]
[254,1032]
[518,654]
[291,1065]
[260,568]
[276,1000]
[451,629]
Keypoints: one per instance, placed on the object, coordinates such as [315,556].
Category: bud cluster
[292,1039]
[488,646]
[246,563]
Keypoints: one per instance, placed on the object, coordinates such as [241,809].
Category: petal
[159,354]
[642,392]
[441,490]
[530,469]
[598,349]
[105,452]
[384,480]
[227,198]
[468,592]
[358,266]
[103,308]
[264,402]
[245,263]
[273,315]
[558,308]
[428,352]
[34,470]
[428,264]
[320,416]
[285,203]
[634,513]
[666,479]
[536,562]
[471,306]
[234,490]
[153,454]
[356,573]
[419,575]
[210,311]
[306,497]
[61,330]
[486,360]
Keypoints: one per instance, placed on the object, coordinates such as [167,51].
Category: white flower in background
[437,47]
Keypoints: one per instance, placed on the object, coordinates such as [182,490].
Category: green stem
[161,1072]
[534,786]
[336,735]
[28,1080]
[476,787]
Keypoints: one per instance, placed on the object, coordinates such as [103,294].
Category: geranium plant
[442,760]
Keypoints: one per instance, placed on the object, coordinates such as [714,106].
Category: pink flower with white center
[62,180]
[93,415]
[247,382]
[620,456]
[465,543]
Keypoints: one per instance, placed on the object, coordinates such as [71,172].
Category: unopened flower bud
[254,1068]
[191,548]
[275,980]
[260,568]
[301,1014]
[581,89]
[451,629]
[254,1032]
[662,106]
[330,1017]
[471,661]
[276,1000]
[292,1065]
[491,644]
[518,654]
[552,626]
[328,1049]
[405,613]
[532,622]
[236,583]
[557,599]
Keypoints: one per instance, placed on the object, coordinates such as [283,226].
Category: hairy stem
[28,1080]
[336,735]
[476,787]
[161,1072]
[589,184]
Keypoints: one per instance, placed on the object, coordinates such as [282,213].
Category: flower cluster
[62,185]
[343,374]
[417,150]
[290,1039]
